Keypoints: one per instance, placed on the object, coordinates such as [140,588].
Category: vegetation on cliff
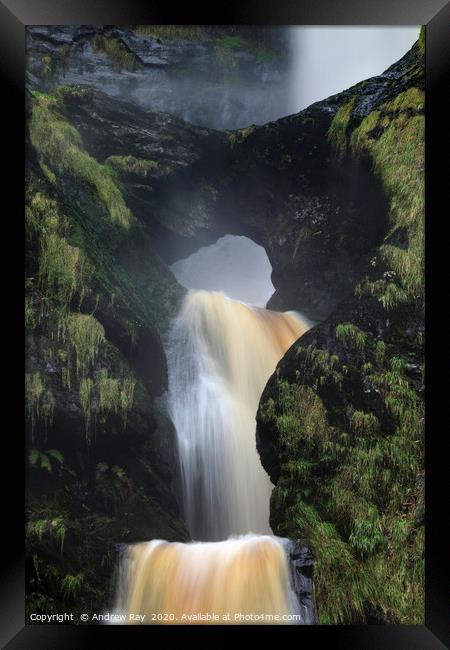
[335,195]
[341,423]
[98,300]
[119,56]
[225,39]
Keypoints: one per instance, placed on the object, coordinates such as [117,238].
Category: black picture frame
[14,16]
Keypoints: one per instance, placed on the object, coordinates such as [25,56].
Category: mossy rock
[341,422]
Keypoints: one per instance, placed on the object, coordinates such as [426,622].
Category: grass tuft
[120,57]
[59,147]
[337,132]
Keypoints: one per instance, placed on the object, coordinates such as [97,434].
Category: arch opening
[234,265]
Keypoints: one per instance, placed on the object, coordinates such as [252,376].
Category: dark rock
[340,422]
[279,184]
[316,220]
[183,77]
[111,479]
[320,220]
[301,563]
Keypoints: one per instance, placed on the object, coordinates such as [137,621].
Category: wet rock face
[112,127]
[301,563]
[316,218]
[211,82]
[279,184]
[161,162]
[320,220]
[110,477]
[340,425]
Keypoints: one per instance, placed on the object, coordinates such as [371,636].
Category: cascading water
[239,580]
[221,353]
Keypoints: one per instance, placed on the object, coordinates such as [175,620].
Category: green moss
[351,336]
[125,165]
[227,46]
[366,537]
[55,528]
[86,335]
[116,396]
[34,390]
[413,98]
[364,423]
[337,132]
[37,528]
[71,586]
[422,36]
[140,282]
[264,54]
[31,313]
[172,32]
[40,214]
[346,489]
[66,377]
[59,147]
[380,352]
[340,587]
[231,42]
[238,136]
[389,294]
[398,156]
[359,136]
[40,403]
[319,365]
[109,393]
[86,395]
[62,267]
[401,401]
[120,57]
[225,49]
[47,68]
[300,419]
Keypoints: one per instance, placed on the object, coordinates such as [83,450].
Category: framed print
[225,227]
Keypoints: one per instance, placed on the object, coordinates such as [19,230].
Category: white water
[242,580]
[221,353]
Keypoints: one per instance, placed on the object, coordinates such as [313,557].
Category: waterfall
[221,352]
[242,580]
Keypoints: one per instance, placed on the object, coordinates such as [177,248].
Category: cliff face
[340,423]
[335,195]
[221,77]
[98,302]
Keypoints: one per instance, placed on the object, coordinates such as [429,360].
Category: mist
[233,265]
[327,60]
[189,80]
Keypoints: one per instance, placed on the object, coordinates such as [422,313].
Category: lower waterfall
[240,580]
[221,353]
